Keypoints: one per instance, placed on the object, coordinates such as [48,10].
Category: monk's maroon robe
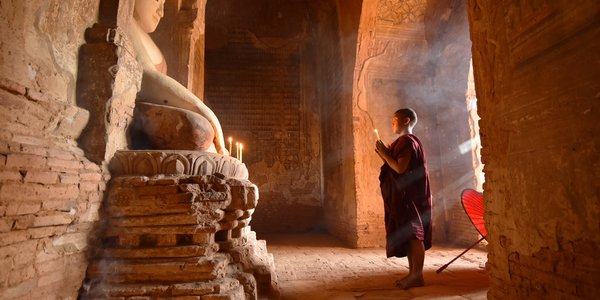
[406,198]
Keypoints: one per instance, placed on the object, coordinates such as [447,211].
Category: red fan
[472,202]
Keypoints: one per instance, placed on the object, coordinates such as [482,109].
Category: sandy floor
[317,266]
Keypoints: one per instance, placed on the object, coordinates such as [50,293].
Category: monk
[404,183]
[157,87]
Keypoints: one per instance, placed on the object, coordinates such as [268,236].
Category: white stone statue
[157,87]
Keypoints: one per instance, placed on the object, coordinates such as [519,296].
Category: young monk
[404,183]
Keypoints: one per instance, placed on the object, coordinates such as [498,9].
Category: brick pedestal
[180,234]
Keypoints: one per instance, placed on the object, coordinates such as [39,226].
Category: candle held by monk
[377,134]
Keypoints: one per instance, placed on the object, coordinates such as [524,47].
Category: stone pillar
[108,80]
[181,36]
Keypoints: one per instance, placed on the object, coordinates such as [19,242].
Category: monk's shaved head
[407,113]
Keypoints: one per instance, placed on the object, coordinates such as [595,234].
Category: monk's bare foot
[401,280]
[410,282]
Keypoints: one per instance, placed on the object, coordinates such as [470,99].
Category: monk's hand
[380,148]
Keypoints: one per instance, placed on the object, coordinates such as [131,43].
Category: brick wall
[260,81]
[49,192]
[536,76]
[566,274]
[49,199]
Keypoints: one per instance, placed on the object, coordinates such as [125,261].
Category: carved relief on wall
[397,12]
[387,92]
[398,56]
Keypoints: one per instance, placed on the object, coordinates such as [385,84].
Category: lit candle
[230,141]
[237,150]
[241,151]
[377,133]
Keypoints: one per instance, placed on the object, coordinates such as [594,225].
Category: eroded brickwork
[49,199]
[538,101]
[49,191]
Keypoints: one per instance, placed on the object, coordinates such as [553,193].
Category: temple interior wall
[310,149]
[339,185]
[262,78]
[536,76]
[413,54]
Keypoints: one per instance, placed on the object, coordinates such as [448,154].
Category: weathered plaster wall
[49,191]
[536,67]
[262,81]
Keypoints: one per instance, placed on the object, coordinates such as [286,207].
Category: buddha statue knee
[167,115]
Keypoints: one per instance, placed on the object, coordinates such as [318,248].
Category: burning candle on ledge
[230,142]
[377,133]
[241,151]
[237,150]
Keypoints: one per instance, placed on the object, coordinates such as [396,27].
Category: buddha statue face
[147,13]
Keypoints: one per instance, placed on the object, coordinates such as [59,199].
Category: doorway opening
[475,141]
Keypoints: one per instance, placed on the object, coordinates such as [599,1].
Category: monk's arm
[399,165]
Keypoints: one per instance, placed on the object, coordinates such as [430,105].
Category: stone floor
[317,266]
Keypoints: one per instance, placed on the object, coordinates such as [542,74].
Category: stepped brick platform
[179,235]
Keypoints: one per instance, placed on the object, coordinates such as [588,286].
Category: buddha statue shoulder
[169,114]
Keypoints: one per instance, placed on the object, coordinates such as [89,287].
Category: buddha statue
[168,115]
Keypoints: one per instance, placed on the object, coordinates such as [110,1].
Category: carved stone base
[173,162]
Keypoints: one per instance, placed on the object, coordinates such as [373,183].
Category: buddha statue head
[147,13]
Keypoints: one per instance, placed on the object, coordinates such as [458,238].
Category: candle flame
[377,133]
